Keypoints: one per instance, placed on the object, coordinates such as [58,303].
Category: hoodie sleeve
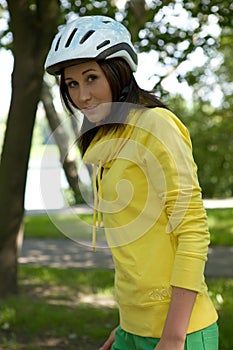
[173,173]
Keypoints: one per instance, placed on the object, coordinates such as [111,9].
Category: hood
[107,144]
[102,152]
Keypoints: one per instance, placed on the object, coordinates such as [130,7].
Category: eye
[72,84]
[91,77]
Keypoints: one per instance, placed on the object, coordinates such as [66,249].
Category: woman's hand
[107,345]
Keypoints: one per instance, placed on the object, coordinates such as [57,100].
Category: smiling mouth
[87,109]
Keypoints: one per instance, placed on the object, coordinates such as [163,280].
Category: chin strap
[126,89]
[124,93]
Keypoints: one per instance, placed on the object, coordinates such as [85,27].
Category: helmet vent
[86,36]
[57,44]
[104,43]
[71,37]
[106,22]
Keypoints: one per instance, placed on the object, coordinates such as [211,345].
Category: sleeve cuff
[188,272]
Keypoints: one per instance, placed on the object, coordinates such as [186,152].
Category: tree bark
[33,29]
[137,15]
[67,157]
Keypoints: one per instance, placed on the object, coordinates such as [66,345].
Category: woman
[148,190]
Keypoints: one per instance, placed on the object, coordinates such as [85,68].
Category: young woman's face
[89,90]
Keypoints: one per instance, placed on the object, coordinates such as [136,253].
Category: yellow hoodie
[154,218]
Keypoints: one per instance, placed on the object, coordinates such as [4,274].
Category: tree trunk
[33,29]
[67,156]
[137,15]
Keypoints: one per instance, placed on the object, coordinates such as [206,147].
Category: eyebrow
[84,72]
[88,70]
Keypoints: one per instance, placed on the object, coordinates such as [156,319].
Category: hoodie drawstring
[97,201]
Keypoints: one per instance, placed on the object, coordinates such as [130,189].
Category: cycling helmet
[90,37]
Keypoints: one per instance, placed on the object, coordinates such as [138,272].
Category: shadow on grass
[52,310]
[45,326]
[75,310]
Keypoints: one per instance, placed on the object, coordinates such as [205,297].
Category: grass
[43,226]
[50,311]
[70,309]
[220,224]
[58,310]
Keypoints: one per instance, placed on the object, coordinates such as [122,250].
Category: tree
[32,26]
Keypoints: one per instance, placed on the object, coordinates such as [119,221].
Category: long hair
[125,90]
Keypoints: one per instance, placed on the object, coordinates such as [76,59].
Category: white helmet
[90,37]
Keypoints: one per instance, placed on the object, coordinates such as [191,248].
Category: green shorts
[205,339]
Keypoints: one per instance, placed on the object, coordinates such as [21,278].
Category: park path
[65,253]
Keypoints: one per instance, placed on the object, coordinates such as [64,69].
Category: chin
[96,120]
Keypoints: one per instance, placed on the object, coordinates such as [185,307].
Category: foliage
[211,134]
[220,224]
[173,28]
[213,147]
[218,69]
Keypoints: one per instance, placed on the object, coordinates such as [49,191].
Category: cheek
[73,97]
[107,93]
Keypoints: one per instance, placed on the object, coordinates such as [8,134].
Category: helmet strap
[124,93]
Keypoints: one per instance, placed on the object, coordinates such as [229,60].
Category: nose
[84,93]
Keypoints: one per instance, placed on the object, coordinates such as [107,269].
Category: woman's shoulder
[160,120]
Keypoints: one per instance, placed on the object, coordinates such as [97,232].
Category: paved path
[68,254]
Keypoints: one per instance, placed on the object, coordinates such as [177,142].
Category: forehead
[81,68]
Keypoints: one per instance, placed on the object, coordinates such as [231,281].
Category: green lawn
[43,226]
[220,224]
[51,311]
[72,309]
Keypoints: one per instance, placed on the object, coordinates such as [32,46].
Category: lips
[89,108]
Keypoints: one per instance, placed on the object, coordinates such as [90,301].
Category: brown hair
[124,89]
